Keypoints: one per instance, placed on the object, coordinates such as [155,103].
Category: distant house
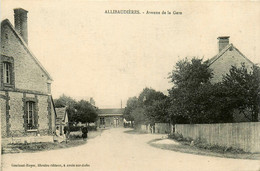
[27,108]
[228,56]
[110,117]
[62,119]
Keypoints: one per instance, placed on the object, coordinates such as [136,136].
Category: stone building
[110,118]
[27,108]
[220,64]
[227,56]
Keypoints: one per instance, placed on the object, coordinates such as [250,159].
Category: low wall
[144,128]
[162,128]
[158,128]
[244,135]
[31,139]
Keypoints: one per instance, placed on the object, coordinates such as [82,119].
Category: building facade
[220,64]
[27,107]
[110,118]
[228,56]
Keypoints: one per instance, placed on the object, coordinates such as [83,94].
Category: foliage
[190,74]
[158,111]
[139,116]
[150,107]
[190,93]
[64,101]
[85,112]
[199,143]
[81,111]
[243,89]
[194,99]
[131,105]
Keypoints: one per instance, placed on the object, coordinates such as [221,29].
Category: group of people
[59,137]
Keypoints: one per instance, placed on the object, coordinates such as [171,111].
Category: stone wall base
[31,139]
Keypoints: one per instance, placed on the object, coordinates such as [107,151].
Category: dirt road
[115,150]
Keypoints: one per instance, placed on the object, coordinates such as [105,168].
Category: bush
[75,128]
[198,142]
[176,136]
[92,128]
[79,128]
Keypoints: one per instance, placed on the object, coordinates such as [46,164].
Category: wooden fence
[244,135]
[162,128]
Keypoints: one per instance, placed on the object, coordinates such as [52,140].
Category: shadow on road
[133,132]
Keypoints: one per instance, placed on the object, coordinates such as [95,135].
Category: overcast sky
[111,57]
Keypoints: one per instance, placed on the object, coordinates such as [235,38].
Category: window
[31,121]
[102,121]
[7,72]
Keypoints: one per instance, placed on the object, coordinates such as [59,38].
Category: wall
[222,65]
[28,75]
[109,121]
[144,128]
[244,135]
[162,128]
[159,128]
[15,122]
[3,114]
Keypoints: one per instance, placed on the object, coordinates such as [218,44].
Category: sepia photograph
[130,85]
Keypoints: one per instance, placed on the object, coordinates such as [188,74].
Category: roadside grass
[75,140]
[205,149]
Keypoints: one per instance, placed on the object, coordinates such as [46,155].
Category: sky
[112,57]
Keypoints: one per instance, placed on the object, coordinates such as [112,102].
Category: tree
[158,111]
[69,103]
[243,88]
[131,105]
[148,96]
[139,116]
[187,97]
[64,101]
[190,74]
[81,111]
[150,107]
[85,112]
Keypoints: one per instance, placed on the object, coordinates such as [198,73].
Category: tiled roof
[111,111]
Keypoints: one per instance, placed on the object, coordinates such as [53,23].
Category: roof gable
[7,22]
[223,51]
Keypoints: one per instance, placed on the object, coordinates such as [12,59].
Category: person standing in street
[84,133]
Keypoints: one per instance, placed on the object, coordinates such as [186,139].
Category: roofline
[53,106]
[110,114]
[6,21]
[220,53]
[244,56]
[224,50]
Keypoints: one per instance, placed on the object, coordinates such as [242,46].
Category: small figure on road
[84,133]
[66,133]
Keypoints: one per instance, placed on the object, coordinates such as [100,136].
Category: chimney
[222,42]
[20,23]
